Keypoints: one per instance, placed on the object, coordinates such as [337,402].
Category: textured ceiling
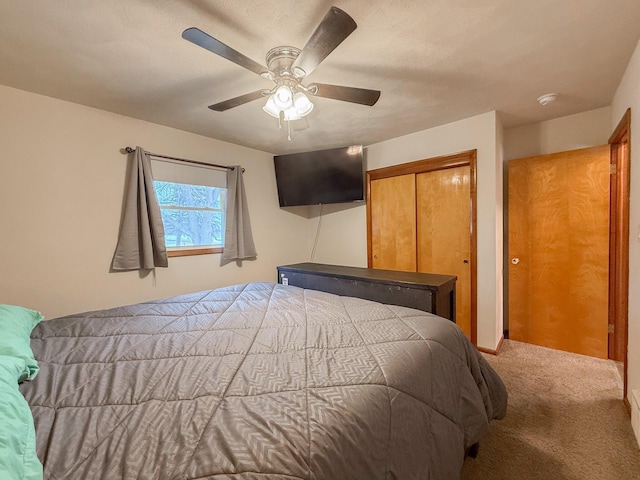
[435,61]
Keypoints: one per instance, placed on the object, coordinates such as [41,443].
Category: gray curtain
[238,240]
[141,241]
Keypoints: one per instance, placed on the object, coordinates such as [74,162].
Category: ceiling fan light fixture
[302,104]
[287,67]
[271,108]
[291,114]
[299,106]
[283,97]
[547,98]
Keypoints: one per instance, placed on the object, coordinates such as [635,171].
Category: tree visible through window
[193,215]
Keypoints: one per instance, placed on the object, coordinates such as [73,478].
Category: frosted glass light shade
[283,97]
[271,108]
[299,107]
[302,104]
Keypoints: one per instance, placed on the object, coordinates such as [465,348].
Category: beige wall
[343,236]
[628,96]
[61,186]
[572,132]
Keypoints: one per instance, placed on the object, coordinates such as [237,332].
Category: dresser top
[372,274]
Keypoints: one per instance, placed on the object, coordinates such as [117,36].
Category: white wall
[628,96]
[61,187]
[572,132]
[343,236]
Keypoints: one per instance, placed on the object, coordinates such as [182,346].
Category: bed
[258,381]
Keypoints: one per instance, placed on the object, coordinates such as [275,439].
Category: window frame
[187,251]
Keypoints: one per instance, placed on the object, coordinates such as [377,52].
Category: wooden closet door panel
[443,232]
[393,220]
[563,200]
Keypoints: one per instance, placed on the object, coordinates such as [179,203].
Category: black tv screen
[320,177]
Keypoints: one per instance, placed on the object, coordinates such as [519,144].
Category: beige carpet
[565,420]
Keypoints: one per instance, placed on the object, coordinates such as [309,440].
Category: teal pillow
[16,324]
[18,459]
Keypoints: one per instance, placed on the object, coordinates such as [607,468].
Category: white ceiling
[435,61]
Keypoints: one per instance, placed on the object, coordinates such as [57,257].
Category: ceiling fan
[288,67]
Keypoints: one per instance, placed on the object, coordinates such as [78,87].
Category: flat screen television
[320,177]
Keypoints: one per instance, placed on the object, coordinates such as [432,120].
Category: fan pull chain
[289,130]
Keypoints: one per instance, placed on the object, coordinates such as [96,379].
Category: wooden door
[558,250]
[393,223]
[443,237]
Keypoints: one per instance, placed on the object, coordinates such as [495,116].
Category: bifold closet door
[443,232]
[393,225]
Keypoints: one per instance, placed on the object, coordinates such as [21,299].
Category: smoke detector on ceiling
[547,98]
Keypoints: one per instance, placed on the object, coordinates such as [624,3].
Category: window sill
[193,251]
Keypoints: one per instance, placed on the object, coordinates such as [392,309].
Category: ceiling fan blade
[237,101]
[334,28]
[362,96]
[204,40]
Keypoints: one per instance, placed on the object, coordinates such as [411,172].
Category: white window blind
[190,174]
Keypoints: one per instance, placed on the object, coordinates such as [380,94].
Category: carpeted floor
[565,420]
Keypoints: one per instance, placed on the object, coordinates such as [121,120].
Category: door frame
[461,159]
[620,145]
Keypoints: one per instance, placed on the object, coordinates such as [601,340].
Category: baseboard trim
[490,351]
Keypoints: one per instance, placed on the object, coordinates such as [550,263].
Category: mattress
[258,381]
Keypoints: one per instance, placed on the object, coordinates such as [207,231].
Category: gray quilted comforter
[258,381]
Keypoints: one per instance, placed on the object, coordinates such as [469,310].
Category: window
[192,203]
[193,215]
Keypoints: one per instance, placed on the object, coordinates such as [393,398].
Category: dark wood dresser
[429,292]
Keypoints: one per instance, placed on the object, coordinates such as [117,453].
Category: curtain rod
[186,160]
